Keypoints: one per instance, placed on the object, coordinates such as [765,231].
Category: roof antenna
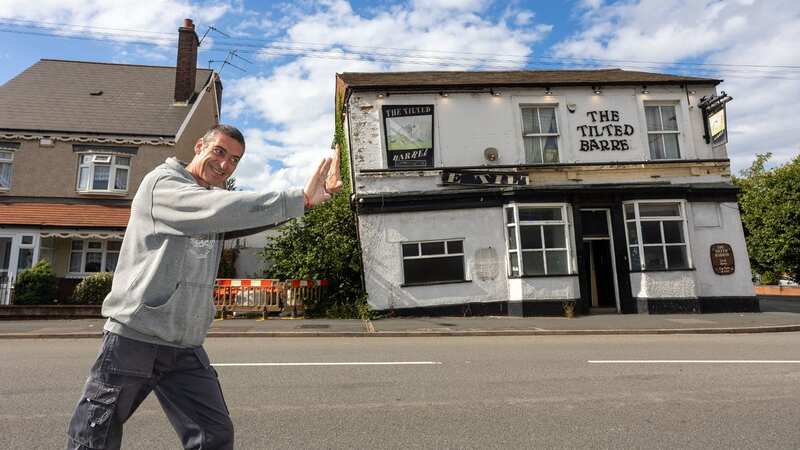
[211,27]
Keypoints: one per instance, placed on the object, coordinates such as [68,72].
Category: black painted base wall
[530,308]
[700,305]
[520,309]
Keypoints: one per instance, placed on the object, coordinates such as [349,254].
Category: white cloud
[108,18]
[296,98]
[723,33]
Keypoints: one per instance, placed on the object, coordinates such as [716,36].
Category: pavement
[779,314]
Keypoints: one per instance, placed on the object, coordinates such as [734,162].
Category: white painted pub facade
[522,193]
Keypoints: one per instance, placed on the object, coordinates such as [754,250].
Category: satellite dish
[490,154]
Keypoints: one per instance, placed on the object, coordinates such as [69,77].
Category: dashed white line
[370,363]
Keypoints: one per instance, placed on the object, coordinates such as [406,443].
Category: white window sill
[115,193]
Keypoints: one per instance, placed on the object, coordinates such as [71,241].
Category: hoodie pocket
[182,319]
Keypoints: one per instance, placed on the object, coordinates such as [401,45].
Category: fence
[265,296]
[6,289]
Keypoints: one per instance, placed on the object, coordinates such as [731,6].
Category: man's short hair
[228,130]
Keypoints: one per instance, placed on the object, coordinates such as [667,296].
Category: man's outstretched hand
[326,181]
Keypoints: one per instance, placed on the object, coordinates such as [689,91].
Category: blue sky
[284,100]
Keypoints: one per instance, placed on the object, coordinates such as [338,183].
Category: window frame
[103,250]
[661,133]
[10,161]
[113,167]
[446,254]
[640,245]
[541,135]
[565,221]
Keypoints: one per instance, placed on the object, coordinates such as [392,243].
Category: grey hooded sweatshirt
[162,289]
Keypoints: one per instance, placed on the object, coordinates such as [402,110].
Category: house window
[662,131]
[657,235]
[433,261]
[540,134]
[98,172]
[538,240]
[89,256]
[25,255]
[6,161]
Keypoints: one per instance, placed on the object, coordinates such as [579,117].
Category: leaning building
[534,192]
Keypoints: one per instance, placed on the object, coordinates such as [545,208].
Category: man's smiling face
[215,159]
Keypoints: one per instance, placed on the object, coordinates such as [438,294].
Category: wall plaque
[722,259]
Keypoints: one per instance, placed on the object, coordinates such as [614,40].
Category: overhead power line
[395,56]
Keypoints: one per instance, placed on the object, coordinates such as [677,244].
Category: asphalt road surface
[647,392]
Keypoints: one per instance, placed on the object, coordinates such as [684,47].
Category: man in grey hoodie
[160,305]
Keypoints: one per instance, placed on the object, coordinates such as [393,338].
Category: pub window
[433,261]
[538,240]
[657,235]
[662,131]
[540,134]
[98,172]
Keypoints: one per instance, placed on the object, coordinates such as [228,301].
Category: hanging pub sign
[722,259]
[484,178]
[409,135]
[714,118]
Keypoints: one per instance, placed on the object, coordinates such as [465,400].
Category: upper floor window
[657,235]
[540,134]
[433,262]
[102,172]
[538,240]
[662,131]
[6,161]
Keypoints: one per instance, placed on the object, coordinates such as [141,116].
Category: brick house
[75,146]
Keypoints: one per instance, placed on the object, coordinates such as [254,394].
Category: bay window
[538,240]
[87,256]
[6,165]
[657,235]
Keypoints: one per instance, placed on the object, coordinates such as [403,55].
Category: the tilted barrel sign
[722,259]
[409,135]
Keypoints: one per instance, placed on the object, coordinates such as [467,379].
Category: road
[461,392]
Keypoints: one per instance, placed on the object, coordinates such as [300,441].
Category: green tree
[323,244]
[770,207]
[36,286]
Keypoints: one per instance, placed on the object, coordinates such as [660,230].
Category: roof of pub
[484,79]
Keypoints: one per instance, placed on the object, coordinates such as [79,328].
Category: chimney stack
[186,67]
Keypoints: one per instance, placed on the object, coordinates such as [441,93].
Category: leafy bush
[36,286]
[93,289]
[323,244]
[769,278]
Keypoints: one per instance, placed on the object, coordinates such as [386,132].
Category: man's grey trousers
[126,371]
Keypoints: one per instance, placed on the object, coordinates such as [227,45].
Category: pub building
[536,192]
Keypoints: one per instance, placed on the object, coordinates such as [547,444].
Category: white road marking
[692,361]
[386,363]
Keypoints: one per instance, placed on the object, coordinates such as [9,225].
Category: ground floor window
[538,239]
[433,261]
[657,235]
[87,256]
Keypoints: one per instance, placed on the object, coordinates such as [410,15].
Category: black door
[603,274]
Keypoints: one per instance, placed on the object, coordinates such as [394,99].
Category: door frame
[11,270]
[610,239]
